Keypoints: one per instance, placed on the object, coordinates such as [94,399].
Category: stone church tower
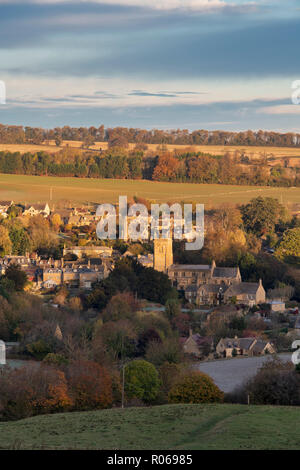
[163,254]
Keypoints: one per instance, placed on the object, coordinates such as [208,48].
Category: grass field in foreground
[23,188]
[185,427]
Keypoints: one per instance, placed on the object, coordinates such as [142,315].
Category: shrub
[169,350]
[169,375]
[276,383]
[39,349]
[55,359]
[195,387]
[141,381]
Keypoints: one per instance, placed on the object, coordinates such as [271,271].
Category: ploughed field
[30,189]
[168,427]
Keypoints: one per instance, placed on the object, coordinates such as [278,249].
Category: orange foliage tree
[166,168]
[90,385]
[31,390]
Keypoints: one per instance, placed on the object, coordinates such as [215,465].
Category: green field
[29,189]
[185,427]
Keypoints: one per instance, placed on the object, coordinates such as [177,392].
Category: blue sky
[213,64]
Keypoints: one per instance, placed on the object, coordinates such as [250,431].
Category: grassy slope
[23,188]
[185,427]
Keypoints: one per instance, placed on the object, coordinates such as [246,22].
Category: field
[30,189]
[169,427]
[23,148]
[275,155]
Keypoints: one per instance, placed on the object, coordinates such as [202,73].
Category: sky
[189,64]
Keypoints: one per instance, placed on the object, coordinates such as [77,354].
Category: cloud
[146,93]
[281,109]
[151,4]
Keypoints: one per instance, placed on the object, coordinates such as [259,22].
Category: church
[206,284]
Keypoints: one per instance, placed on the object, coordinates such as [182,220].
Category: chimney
[190,332]
[62,262]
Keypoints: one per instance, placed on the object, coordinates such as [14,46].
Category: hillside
[169,427]
[33,189]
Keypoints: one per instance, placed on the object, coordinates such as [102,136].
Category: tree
[31,390]
[195,387]
[289,247]
[141,381]
[120,307]
[90,385]
[276,383]
[169,350]
[261,214]
[116,338]
[5,242]
[14,273]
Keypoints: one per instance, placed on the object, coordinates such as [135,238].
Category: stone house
[247,293]
[197,345]
[229,347]
[37,209]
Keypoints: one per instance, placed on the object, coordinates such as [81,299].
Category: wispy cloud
[152,4]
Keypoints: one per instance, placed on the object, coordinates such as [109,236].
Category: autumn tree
[5,242]
[195,387]
[90,385]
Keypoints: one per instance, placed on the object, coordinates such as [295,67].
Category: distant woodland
[118,161]
[121,136]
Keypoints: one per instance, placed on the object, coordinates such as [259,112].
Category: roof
[189,267]
[212,288]
[191,288]
[243,288]
[225,272]
[39,207]
[5,203]
[89,247]
[259,346]
[242,343]
[200,340]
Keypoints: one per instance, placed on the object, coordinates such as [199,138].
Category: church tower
[163,254]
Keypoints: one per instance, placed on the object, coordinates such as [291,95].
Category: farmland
[30,189]
[169,427]
[275,155]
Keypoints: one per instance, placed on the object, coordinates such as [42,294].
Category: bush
[276,383]
[169,350]
[195,387]
[169,374]
[55,359]
[141,381]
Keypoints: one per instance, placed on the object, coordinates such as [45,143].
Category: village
[207,289]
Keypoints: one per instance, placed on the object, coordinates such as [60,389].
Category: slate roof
[249,288]
[212,288]
[189,267]
[225,272]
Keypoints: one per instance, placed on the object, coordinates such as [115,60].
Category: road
[230,373]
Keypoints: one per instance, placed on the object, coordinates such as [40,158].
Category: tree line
[35,135]
[118,163]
